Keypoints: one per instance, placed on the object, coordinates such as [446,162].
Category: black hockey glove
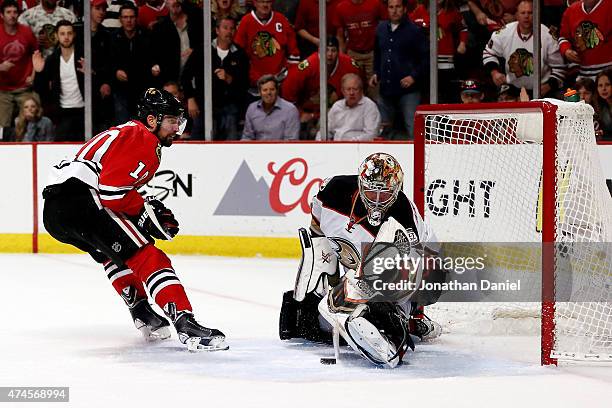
[158,221]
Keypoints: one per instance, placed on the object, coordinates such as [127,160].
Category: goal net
[527,176]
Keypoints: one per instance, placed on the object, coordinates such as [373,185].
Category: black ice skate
[152,326]
[193,334]
[423,327]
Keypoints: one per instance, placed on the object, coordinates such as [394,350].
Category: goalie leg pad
[362,335]
[371,343]
[287,322]
[318,260]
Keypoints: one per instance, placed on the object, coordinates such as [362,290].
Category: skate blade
[149,335]
[215,344]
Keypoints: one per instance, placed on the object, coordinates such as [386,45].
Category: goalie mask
[380,181]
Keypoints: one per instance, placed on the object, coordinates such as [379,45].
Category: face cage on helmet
[376,208]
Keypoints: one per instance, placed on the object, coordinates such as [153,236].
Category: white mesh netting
[483,184]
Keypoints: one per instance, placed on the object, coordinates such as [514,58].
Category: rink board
[230,199]
[244,199]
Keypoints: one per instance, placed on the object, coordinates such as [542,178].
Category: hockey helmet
[159,103]
[380,181]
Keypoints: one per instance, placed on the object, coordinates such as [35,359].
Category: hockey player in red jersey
[585,37]
[268,39]
[301,86]
[349,214]
[93,204]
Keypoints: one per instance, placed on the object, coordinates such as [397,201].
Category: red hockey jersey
[451,31]
[359,22]
[302,83]
[589,34]
[269,45]
[115,163]
[307,17]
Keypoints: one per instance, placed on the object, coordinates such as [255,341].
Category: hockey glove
[158,221]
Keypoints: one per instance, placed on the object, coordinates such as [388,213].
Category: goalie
[356,219]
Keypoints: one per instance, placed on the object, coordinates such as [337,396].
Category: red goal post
[556,132]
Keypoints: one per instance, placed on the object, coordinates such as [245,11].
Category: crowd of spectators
[265,63]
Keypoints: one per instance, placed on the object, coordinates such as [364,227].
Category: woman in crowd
[603,103]
[31,125]
[587,90]
[225,8]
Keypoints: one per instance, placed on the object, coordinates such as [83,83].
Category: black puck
[328,361]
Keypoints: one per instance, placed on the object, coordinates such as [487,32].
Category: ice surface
[64,325]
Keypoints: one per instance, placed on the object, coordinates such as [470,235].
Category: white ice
[63,325]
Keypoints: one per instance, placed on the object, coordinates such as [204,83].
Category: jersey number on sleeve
[136,173]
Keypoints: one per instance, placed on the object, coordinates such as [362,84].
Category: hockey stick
[336,343]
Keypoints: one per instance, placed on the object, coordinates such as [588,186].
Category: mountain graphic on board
[246,196]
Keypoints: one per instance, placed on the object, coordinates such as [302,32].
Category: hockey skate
[193,334]
[152,326]
[424,328]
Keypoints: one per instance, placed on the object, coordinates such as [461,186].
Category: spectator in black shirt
[175,37]
[401,61]
[103,111]
[60,81]
[230,67]
[131,64]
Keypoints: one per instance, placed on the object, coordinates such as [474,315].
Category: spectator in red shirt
[301,86]
[452,39]
[269,41]
[307,24]
[586,36]
[493,14]
[150,13]
[17,44]
[356,22]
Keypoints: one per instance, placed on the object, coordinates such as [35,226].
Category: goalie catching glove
[158,221]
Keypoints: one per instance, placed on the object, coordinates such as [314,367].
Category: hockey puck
[328,361]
